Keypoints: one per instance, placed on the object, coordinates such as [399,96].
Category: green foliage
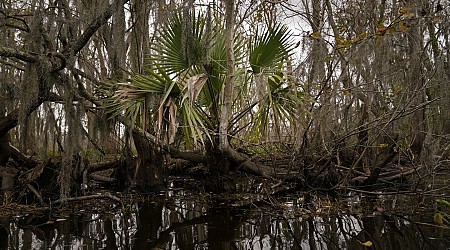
[279,105]
[444,202]
[179,48]
[92,155]
[187,71]
[269,48]
[48,154]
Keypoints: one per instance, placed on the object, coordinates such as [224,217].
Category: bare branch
[7,63]
[22,55]
[25,26]
[93,27]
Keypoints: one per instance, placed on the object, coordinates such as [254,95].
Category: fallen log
[105,165]
[101,178]
[244,164]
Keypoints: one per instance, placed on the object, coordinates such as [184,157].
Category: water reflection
[187,224]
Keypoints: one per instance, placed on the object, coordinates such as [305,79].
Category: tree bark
[416,87]
[148,173]
[227,93]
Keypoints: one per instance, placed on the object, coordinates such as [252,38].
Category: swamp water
[173,221]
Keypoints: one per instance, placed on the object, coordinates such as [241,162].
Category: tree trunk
[6,178]
[148,174]
[227,94]
[416,87]
[4,149]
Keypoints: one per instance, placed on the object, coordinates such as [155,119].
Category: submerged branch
[88,197]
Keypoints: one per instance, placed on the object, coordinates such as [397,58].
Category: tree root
[245,164]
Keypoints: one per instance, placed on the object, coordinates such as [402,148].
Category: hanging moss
[71,162]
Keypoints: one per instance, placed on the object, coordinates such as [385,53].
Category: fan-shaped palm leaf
[279,106]
[269,47]
[190,74]
[179,47]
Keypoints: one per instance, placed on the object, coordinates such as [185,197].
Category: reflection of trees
[110,240]
[221,230]
[124,225]
[3,236]
[148,224]
[334,232]
[181,225]
[311,236]
[186,224]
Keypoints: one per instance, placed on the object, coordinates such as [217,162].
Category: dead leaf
[381,30]
[405,10]
[367,243]
[173,120]
[403,27]
[195,85]
[316,35]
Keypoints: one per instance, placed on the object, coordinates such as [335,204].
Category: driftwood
[35,192]
[101,178]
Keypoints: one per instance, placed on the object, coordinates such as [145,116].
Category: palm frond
[279,106]
[178,46]
[269,47]
[195,124]
[188,75]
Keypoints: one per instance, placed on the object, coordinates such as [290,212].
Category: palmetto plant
[187,70]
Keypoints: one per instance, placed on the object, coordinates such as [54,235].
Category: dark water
[175,222]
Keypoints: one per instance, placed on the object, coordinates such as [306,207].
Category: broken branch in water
[88,197]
